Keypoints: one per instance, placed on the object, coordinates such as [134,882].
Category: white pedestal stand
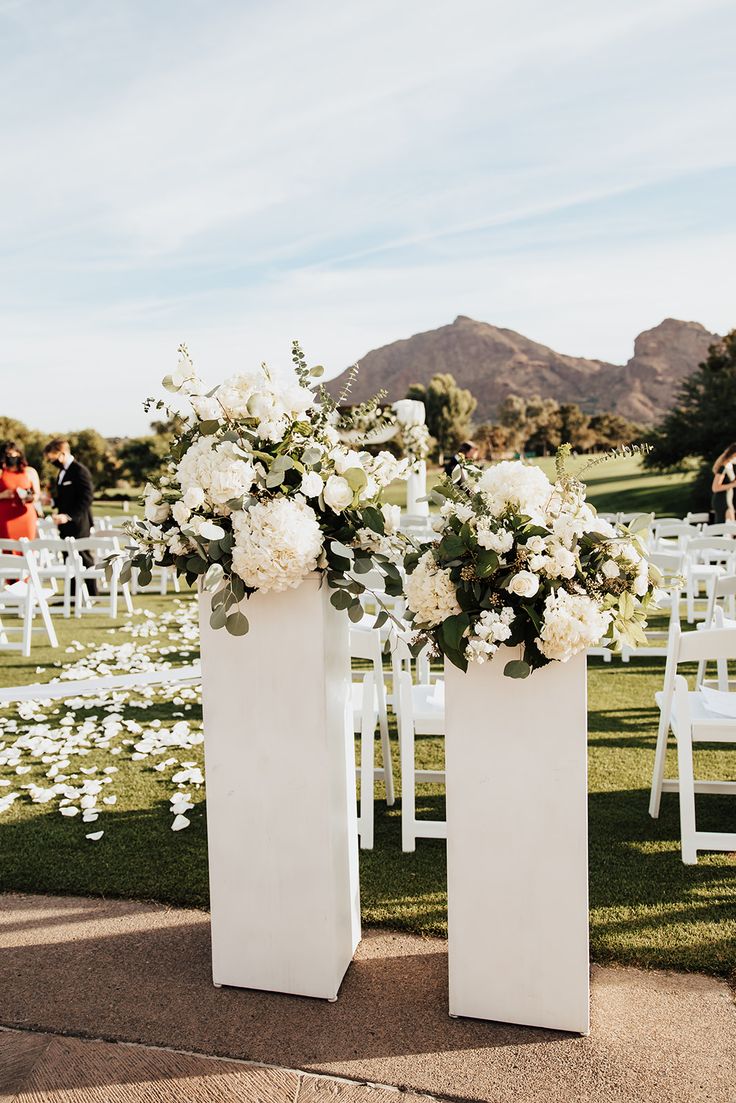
[416,488]
[281,805]
[517,852]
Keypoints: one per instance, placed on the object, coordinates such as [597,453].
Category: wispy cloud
[235,174]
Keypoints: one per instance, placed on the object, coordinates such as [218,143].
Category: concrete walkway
[134,972]
[42,1068]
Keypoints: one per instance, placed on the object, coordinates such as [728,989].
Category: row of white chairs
[418,702]
[47,575]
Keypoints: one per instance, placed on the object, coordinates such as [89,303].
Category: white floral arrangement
[522,562]
[260,492]
[403,423]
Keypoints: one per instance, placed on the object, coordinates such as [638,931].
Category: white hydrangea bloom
[222,472]
[277,543]
[499,542]
[512,483]
[430,593]
[491,629]
[572,622]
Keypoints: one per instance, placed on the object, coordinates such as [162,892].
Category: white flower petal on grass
[70,810]
[180,822]
[94,836]
[109,800]
[90,816]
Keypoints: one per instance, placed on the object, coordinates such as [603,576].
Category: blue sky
[238,174]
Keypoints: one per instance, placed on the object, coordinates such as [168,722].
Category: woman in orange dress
[19,489]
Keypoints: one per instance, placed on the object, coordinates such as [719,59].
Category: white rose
[536,544]
[156,509]
[207,409]
[523,584]
[312,484]
[344,460]
[391,518]
[181,512]
[193,497]
[338,495]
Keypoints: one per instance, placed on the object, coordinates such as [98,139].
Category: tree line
[115,463]
[524,426]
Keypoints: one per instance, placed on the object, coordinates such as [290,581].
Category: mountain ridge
[493,362]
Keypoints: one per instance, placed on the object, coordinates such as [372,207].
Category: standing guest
[724,481]
[466,453]
[19,490]
[72,497]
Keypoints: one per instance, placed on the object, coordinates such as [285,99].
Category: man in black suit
[72,497]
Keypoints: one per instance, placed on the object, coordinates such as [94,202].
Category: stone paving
[140,973]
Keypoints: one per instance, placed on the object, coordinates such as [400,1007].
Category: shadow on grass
[647,908]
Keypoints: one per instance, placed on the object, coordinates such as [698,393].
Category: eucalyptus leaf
[355,612]
[218,618]
[517,668]
[341,599]
[237,624]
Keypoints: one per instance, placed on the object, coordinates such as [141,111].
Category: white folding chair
[420,710]
[720,613]
[55,567]
[706,559]
[686,715]
[365,716]
[670,565]
[673,535]
[22,595]
[725,528]
[100,547]
[697,518]
[366,645]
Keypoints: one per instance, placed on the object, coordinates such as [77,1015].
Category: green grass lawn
[620,484]
[647,908]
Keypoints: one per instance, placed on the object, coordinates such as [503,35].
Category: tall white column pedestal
[416,488]
[281,806]
[517,852]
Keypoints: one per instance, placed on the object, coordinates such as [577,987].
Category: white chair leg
[388,771]
[690,594]
[27,623]
[114,596]
[47,622]
[687,797]
[367,764]
[125,590]
[408,779]
[660,756]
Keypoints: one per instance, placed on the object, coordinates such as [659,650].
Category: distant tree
[30,440]
[613,430]
[491,439]
[701,423]
[543,425]
[513,417]
[574,426]
[141,458]
[91,449]
[449,409]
